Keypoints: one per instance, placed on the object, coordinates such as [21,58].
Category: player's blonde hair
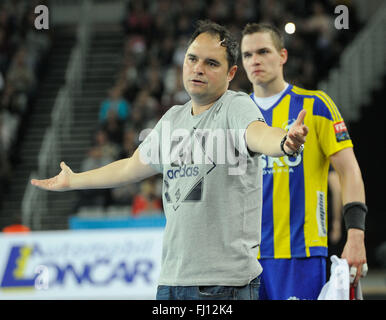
[276,36]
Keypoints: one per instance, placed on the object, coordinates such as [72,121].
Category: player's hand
[296,135]
[355,253]
[61,182]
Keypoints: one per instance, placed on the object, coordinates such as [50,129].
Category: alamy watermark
[342,20]
[42,18]
[181,147]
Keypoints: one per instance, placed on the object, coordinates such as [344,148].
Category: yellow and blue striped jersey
[294,218]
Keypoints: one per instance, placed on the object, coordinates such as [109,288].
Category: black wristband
[354,215]
[295,153]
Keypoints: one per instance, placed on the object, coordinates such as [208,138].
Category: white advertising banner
[92,264]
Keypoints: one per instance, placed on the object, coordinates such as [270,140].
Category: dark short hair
[276,35]
[227,39]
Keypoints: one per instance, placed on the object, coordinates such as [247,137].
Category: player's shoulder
[318,94]
[323,104]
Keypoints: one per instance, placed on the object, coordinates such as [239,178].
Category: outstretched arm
[264,139]
[115,174]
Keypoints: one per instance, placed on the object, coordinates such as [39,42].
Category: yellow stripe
[324,97]
[315,173]
[281,192]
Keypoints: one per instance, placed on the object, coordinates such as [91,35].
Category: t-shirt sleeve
[331,129]
[150,148]
[242,111]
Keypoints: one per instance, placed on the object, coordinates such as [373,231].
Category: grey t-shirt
[211,193]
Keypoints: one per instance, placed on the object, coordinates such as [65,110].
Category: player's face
[262,62]
[205,72]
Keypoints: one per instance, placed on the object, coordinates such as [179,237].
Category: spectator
[113,127]
[166,52]
[104,149]
[155,84]
[128,78]
[8,127]
[148,105]
[138,20]
[137,120]
[130,143]
[146,200]
[184,26]
[135,47]
[20,81]
[179,52]
[320,29]
[218,12]
[20,74]
[115,102]
[123,196]
[102,153]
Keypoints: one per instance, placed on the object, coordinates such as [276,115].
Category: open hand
[60,182]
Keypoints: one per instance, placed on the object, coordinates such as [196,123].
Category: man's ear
[232,72]
[283,56]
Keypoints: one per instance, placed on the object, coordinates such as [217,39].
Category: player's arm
[264,139]
[336,206]
[354,208]
[115,174]
[347,167]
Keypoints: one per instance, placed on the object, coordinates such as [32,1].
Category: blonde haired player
[294,222]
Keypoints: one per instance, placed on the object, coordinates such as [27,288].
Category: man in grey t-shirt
[208,152]
[211,192]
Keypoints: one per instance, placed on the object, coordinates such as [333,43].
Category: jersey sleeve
[331,129]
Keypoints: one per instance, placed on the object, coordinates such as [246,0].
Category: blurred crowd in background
[149,80]
[22,50]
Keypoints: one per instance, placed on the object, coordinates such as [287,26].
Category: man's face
[262,61]
[205,73]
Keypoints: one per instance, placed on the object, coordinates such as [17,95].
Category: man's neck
[269,89]
[200,107]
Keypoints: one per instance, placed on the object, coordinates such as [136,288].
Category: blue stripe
[267,114]
[297,193]
[320,109]
[266,246]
